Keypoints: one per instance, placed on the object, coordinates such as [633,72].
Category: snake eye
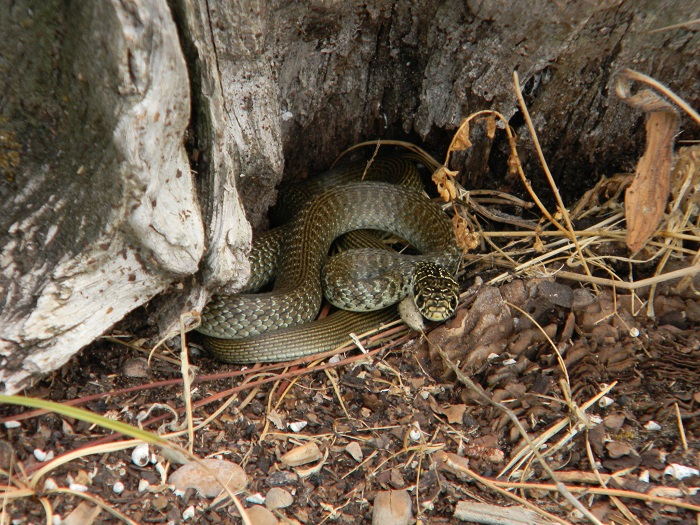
[435,291]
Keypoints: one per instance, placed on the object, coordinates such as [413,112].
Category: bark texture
[100,214]
[101,209]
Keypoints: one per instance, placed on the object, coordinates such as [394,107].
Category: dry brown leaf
[467,238]
[461,139]
[453,413]
[392,507]
[513,164]
[538,245]
[445,186]
[645,199]
[84,514]
[491,126]
[616,449]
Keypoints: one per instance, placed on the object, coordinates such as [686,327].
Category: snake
[278,325]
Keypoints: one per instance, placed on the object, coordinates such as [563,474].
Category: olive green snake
[276,325]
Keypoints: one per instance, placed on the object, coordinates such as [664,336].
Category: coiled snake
[276,326]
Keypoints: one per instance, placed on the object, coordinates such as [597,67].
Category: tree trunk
[100,212]
[101,209]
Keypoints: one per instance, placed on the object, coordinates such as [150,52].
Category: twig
[641,77]
[550,179]
[511,415]
[681,429]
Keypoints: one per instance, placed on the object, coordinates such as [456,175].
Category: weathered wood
[100,208]
[388,69]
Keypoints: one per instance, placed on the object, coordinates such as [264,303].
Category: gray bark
[101,210]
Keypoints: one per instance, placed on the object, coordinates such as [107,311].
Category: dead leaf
[617,449]
[445,186]
[491,126]
[84,514]
[645,199]
[538,245]
[461,139]
[467,238]
[453,413]
[276,419]
[513,165]
[614,422]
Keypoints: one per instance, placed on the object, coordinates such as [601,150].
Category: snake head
[435,291]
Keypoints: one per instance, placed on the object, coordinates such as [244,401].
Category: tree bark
[102,212]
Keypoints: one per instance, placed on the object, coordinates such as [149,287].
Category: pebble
[353,448]
[259,515]
[392,507]
[278,498]
[302,455]
[136,368]
[193,476]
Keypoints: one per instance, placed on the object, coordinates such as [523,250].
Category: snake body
[236,326]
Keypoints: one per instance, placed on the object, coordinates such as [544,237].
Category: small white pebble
[287,115]
[680,471]
[634,332]
[12,424]
[56,519]
[605,401]
[652,425]
[256,499]
[50,484]
[188,513]
[78,487]
[143,485]
[414,434]
[118,487]
[40,455]
[492,356]
[297,426]
[509,362]
[140,455]
[644,476]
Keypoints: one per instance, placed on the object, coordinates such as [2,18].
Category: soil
[419,427]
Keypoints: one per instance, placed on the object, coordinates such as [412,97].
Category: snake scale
[276,325]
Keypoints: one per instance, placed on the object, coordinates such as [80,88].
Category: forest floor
[607,386]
